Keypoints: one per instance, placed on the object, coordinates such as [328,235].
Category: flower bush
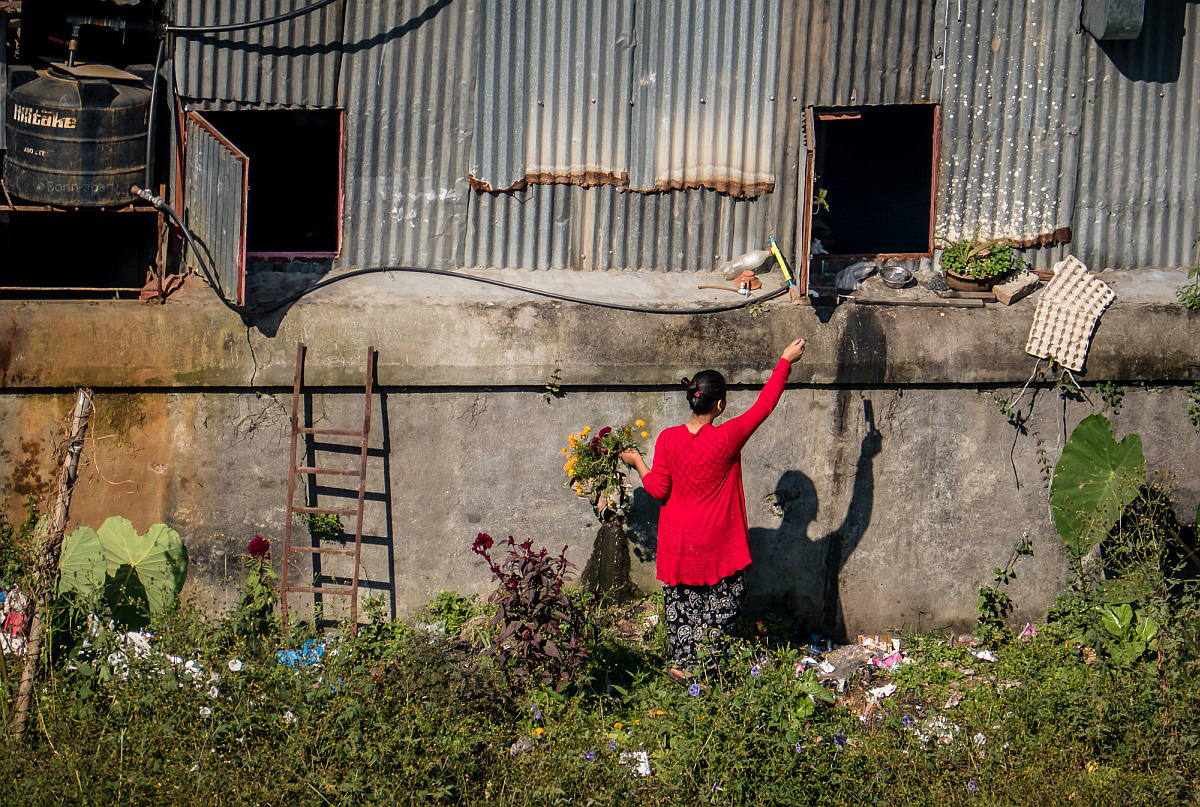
[541,629]
[594,468]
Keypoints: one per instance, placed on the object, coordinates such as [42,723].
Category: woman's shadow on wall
[801,573]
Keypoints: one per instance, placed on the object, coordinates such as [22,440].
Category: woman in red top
[702,544]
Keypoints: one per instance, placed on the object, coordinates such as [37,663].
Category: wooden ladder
[300,432]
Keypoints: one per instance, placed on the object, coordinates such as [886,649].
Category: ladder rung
[317,590]
[329,432]
[333,511]
[322,550]
[335,471]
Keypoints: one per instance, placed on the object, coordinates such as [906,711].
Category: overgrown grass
[394,717]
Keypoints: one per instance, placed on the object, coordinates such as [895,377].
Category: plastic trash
[1030,632]
[752,261]
[310,653]
[885,691]
[983,655]
[853,275]
[637,761]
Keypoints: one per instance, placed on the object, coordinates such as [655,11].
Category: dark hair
[704,391]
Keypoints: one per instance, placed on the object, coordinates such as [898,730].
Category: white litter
[637,761]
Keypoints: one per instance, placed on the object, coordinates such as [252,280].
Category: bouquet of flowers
[594,469]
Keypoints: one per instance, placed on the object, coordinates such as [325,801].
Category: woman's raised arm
[741,427]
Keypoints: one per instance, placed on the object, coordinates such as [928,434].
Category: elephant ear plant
[136,576]
[1095,479]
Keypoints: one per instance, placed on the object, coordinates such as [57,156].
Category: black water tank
[76,142]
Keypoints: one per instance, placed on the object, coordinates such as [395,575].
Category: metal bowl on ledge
[895,276]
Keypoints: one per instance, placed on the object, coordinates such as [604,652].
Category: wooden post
[45,572]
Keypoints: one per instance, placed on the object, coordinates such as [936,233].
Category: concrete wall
[862,532]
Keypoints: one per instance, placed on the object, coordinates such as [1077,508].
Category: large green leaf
[145,572]
[1094,481]
[81,565]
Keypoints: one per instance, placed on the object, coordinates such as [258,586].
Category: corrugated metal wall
[290,64]
[1011,96]
[408,77]
[437,90]
[1138,202]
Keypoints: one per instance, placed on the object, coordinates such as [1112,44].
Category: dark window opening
[294,203]
[86,253]
[876,168]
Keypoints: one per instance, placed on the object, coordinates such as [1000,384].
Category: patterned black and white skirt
[699,618]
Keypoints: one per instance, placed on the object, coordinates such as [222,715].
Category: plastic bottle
[732,269]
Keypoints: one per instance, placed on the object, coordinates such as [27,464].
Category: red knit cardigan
[702,526]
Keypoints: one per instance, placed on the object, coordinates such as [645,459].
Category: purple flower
[765,660]
[589,755]
[536,714]
[907,721]
[799,748]
[840,739]
[972,786]
[612,745]
[694,690]
[756,671]
[603,432]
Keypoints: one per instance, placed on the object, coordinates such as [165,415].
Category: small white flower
[235,665]
[205,711]
[980,739]
[213,692]
[288,717]
[195,767]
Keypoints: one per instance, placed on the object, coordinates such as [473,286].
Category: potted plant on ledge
[978,265]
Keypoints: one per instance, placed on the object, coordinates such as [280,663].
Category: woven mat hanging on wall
[1067,314]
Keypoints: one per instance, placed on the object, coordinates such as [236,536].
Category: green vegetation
[1189,293]
[325,525]
[121,573]
[1112,394]
[1095,479]
[979,259]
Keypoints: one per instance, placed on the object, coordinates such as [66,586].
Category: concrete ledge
[438,334]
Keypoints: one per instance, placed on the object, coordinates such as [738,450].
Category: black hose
[162,47]
[246,312]
[242,26]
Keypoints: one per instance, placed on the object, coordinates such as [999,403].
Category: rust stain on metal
[586,179]
[733,187]
[590,179]
[1060,236]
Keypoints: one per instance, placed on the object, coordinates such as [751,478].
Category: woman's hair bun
[685,382]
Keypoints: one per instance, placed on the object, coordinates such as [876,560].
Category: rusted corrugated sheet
[704,96]
[1139,179]
[1011,94]
[289,64]
[407,86]
[553,93]
[824,53]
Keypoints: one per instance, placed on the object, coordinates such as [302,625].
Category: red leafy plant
[541,631]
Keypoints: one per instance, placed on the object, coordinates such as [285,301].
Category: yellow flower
[539,731]
[618,725]
[655,713]
[645,434]
[639,423]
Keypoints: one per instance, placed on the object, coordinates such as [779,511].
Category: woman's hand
[630,457]
[794,351]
